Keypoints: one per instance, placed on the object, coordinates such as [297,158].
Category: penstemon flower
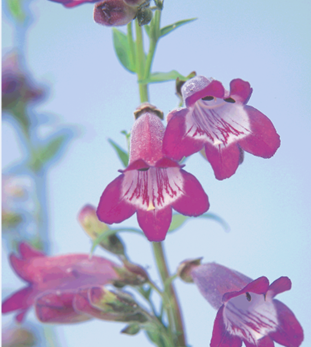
[247,311]
[152,184]
[53,282]
[220,122]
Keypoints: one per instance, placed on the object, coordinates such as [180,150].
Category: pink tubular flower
[152,184]
[248,312]
[222,123]
[53,282]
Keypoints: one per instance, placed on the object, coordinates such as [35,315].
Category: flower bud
[185,268]
[114,13]
[94,228]
[131,274]
[144,16]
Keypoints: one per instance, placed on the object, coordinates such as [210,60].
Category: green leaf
[178,220]
[122,49]
[16,9]
[171,27]
[124,157]
[157,77]
[46,153]
[111,232]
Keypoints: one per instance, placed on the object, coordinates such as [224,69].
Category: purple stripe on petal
[193,201]
[221,337]
[264,342]
[289,332]
[155,223]
[112,207]
[263,140]
[224,161]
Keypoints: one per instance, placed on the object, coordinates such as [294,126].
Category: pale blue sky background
[266,203]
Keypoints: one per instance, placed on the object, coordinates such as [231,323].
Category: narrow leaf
[178,220]
[122,49]
[162,77]
[124,157]
[165,30]
[131,329]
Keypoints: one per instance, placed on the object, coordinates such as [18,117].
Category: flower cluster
[154,182]
[68,288]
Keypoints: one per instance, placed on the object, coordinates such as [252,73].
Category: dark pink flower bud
[113,13]
[152,184]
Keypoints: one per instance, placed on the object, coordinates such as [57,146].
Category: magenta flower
[53,282]
[220,122]
[248,312]
[152,184]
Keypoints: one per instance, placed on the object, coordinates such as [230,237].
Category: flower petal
[193,201]
[21,300]
[57,308]
[199,87]
[258,286]
[20,267]
[240,90]
[263,141]
[214,280]
[264,342]
[280,285]
[26,251]
[113,208]
[221,337]
[224,160]
[289,332]
[155,223]
[176,144]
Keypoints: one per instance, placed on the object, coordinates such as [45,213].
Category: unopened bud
[131,329]
[185,268]
[114,13]
[95,228]
[130,274]
[144,16]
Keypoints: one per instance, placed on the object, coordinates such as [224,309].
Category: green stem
[140,63]
[174,309]
[154,37]
[131,42]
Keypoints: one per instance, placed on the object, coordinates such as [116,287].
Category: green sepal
[122,49]
[178,220]
[166,30]
[131,329]
[157,77]
[123,156]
